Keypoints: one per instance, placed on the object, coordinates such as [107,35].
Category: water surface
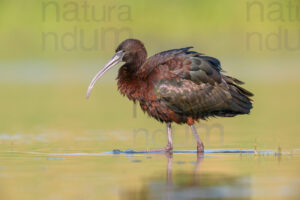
[216,174]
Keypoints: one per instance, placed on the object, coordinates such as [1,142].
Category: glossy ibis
[177,85]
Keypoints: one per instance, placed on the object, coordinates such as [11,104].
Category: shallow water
[216,174]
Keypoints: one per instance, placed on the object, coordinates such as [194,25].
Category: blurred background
[50,50]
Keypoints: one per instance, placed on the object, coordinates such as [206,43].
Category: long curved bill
[113,61]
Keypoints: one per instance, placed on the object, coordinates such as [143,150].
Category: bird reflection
[196,173]
[194,184]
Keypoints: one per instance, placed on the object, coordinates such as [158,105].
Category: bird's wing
[187,98]
[200,89]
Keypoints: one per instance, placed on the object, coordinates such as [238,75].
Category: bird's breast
[137,90]
[130,88]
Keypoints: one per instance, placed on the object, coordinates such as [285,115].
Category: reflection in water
[194,185]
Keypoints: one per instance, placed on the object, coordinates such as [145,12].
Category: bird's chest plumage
[130,88]
[144,92]
[129,85]
[134,88]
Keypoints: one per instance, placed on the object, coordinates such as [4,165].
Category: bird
[176,86]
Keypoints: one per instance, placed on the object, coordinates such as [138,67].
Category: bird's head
[130,51]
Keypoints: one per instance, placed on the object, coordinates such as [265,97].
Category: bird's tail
[242,102]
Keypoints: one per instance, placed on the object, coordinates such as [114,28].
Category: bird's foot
[165,149]
[200,148]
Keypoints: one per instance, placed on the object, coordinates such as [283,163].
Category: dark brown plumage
[177,85]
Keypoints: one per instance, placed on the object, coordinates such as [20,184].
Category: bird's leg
[200,146]
[169,146]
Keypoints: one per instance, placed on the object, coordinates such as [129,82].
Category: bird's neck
[128,82]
